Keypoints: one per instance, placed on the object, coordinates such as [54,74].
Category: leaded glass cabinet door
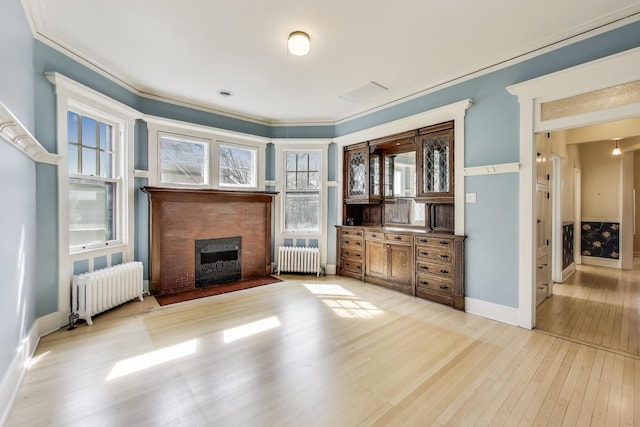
[435,161]
[356,166]
[375,182]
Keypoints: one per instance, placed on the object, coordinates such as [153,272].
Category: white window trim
[215,137]
[301,145]
[158,160]
[74,96]
[321,195]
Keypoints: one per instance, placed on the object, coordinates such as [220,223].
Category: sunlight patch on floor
[34,360]
[249,329]
[343,302]
[151,359]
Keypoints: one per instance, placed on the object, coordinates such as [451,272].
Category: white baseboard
[330,269]
[50,323]
[10,384]
[600,262]
[568,272]
[490,310]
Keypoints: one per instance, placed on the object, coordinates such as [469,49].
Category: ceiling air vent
[363,92]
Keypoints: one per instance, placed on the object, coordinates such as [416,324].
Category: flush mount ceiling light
[616,151]
[299,43]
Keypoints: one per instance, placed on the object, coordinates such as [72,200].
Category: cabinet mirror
[400,189]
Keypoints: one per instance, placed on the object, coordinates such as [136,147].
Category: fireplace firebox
[218,261]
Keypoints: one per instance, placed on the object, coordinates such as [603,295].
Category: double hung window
[302,192]
[93,181]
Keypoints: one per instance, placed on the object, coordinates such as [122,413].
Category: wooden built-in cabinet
[440,269]
[351,252]
[387,238]
[389,260]
[417,262]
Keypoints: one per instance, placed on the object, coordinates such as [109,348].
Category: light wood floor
[598,306]
[319,352]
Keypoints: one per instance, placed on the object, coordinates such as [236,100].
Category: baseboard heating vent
[98,291]
[293,259]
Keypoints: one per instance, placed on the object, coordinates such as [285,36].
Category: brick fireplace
[180,218]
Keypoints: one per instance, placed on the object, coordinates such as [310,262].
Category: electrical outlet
[471,197]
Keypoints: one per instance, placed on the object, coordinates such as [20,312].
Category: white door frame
[603,73]
[556,221]
[577,215]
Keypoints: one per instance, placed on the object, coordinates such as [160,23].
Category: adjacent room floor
[323,351]
[597,306]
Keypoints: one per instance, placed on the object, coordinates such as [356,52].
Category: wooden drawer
[353,242]
[398,238]
[352,254]
[440,270]
[433,253]
[438,242]
[355,232]
[374,235]
[433,284]
[355,267]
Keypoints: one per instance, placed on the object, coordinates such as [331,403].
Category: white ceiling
[185,51]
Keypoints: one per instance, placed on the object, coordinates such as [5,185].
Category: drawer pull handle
[540,267]
[359,268]
[444,272]
[424,282]
[358,255]
[424,268]
[424,253]
[346,253]
[358,243]
[374,235]
[359,233]
[444,256]
[424,240]
[444,242]
[346,242]
[444,287]
[398,238]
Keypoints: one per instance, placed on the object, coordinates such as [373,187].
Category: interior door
[543,219]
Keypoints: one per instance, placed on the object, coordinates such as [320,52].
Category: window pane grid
[302,192]
[93,190]
[89,146]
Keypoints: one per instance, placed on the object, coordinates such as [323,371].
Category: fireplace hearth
[218,261]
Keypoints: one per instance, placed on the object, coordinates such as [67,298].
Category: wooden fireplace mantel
[180,216]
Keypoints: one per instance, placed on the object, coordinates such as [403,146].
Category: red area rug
[215,290]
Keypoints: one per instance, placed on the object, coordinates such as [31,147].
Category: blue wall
[491,132]
[17,192]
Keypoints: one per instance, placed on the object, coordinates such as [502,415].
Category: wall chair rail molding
[492,169]
[12,131]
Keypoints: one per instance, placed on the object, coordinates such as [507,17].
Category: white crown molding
[14,132]
[616,19]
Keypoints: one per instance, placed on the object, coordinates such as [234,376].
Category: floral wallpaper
[567,245]
[601,239]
